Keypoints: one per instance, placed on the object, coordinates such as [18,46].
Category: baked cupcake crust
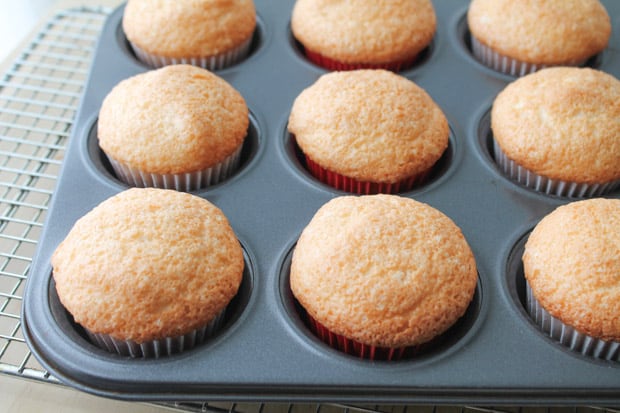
[189,28]
[550,32]
[572,261]
[561,123]
[148,264]
[383,270]
[177,119]
[370,125]
[364,31]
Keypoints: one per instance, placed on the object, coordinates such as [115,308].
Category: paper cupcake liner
[355,348]
[181,182]
[354,186]
[508,65]
[161,347]
[568,336]
[215,62]
[335,65]
[547,185]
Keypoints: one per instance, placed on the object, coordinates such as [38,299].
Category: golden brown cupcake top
[148,264]
[177,119]
[572,264]
[364,31]
[189,28]
[562,123]
[551,32]
[383,270]
[370,125]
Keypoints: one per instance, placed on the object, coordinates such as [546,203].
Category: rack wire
[39,98]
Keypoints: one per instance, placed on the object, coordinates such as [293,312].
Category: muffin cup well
[567,335]
[354,186]
[181,182]
[357,349]
[547,185]
[215,62]
[161,347]
[331,64]
[508,65]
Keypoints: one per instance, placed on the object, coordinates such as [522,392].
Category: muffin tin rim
[527,393]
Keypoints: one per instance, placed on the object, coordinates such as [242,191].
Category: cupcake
[556,131]
[368,131]
[571,263]
[208,33]
[520,37]
[179,127]
[381,276]
[363,34]
[149,272]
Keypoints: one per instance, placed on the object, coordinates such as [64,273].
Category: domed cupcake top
[371,125]
[364,31]
[148,264]
[547,32]
[188,28]
[383,270]
[176,119]
[562,123]
[572,263]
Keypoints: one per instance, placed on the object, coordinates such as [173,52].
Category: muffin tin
[494,354]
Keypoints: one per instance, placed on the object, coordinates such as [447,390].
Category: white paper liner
[181,182]
[508,65]
[158,348]
[547,185]
[568,336]
[215,62]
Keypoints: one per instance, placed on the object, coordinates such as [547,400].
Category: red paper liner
[335,65]
[357,349]
[354,186]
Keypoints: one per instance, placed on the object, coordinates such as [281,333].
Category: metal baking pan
[494,355]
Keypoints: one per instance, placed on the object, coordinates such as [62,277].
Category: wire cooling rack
[39,97]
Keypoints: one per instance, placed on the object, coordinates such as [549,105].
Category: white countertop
[17,20]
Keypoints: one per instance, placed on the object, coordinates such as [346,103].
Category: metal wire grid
[39,97]
[346,408]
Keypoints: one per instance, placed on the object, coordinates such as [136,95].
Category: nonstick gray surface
[494,354]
